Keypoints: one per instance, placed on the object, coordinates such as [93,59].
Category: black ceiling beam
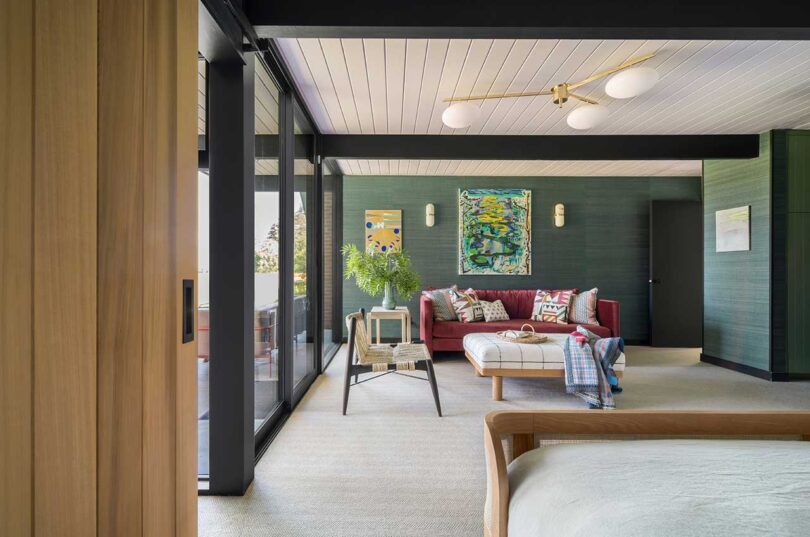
[219,38]
[267,146]
[586,19]
[568,147]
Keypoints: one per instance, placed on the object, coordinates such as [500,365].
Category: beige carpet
[391,467]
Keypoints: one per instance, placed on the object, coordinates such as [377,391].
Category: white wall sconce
[430,215]
[559,215]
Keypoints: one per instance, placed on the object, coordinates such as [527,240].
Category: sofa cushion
[457,330]
[517,302]
[443,309]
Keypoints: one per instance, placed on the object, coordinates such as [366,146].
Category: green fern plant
[373,270]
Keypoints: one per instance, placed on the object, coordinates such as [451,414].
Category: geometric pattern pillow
[443,309]
[494,311]
[557,296]
[551,312]
[583,308]
[467,306]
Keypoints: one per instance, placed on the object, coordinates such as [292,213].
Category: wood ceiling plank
[451,71]
[476,56]
[355,58]
[571,69]
[511,68]
[301,72]
[542,80]
[338,70]
[375,52]
[415,52]
[522,81]
[314,57]
[396,51]
[435,59]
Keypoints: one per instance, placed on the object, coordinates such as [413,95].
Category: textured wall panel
[736,309]
[605,241]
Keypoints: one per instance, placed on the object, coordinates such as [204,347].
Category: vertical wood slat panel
[65,246]
[186,251]
[160,311]
[16,260]
[120,277]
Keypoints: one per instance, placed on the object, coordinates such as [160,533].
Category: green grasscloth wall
[605,241]
[736,305]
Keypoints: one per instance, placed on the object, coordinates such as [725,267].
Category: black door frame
[235,446]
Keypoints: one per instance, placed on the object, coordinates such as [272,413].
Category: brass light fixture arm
[496,96]
[618,68]
[583,99]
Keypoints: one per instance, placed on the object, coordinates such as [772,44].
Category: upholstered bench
[494,357]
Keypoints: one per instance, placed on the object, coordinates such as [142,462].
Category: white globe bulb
[631,82]
[460,115]
[587,116]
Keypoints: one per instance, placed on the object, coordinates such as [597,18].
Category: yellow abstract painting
[384,230]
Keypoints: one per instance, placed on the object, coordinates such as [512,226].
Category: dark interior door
[676,274]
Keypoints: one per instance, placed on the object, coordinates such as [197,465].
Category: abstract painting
[384,230]
[733,229]
[494,231]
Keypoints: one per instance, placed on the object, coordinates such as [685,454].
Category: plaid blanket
[589,363]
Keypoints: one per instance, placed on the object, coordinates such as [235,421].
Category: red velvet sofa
[447,335]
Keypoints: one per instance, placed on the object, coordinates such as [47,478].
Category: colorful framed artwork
[384,230]
[733,229]
[494,232]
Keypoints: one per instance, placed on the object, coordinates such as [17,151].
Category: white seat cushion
[491,352]
[662,488]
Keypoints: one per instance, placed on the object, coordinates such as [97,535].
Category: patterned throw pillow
[583,308]
[494,311]
[442,299]
[557,296]
[552,312]
[468,306]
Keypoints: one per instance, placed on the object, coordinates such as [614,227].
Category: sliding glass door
[267,233]
[304,272]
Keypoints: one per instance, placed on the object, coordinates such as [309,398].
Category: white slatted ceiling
[201,96]
[270,167]
[532,168]
[396,86]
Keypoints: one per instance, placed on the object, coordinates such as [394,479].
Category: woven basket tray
[521,336]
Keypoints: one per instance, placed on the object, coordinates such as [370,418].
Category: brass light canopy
[561,93]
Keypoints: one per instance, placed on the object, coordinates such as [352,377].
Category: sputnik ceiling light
[622,85]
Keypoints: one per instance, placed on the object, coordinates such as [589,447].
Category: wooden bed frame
[498,375]
[522,425]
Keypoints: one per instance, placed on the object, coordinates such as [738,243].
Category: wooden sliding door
[98,212]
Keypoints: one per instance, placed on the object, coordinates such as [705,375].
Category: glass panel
[331,333]
[266,266]
[203,335]
[203,408]
[303,255]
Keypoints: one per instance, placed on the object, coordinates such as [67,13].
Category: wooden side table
[379,313]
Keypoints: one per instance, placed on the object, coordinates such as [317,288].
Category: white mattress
[491,352]
[662,488]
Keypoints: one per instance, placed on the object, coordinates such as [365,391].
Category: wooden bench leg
[497,388]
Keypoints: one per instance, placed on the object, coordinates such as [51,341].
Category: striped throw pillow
[442,299]
[583,308]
